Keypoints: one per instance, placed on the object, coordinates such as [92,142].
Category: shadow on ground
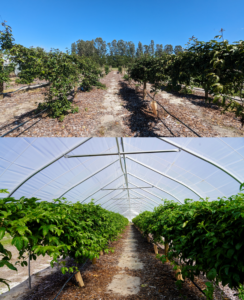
[142,119]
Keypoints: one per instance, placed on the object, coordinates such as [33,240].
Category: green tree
[159,50]
[168,49]
[178,49]
[139,50]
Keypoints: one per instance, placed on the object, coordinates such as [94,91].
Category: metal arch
[109,206]
[111,198]
[142,205]
[156,171]
[93,174]
[47,165]
[152,193]
[203,158]
[145,200]
[102,188]
[146,197]
[154,186]
[105,196]
[140,208]
[126,177]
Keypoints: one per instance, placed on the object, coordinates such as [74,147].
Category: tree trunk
[154,108]
[166,247]
[177,274]
[155,249]
[79,279]
[94,260]
[144,90]
[1,88]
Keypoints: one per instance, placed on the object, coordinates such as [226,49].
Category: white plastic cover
[205,167]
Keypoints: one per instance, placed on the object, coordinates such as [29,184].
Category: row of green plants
[216,66]
[63,72]
[203,236]
[59,229]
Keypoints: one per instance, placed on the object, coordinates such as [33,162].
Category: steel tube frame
[113,204]
[141,187]
[111,198]
[143,200]
[154,186]
[93,174]
[154,194]
[156,171]
[147,198]
[122,153]
[45,166]
[101,188]
[203,158]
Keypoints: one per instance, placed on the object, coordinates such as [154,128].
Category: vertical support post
[101,252]
[148,239]
[144,90]
[29,271]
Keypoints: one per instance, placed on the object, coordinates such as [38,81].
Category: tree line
[119,53]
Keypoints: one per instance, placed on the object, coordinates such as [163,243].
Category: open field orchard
[81,98]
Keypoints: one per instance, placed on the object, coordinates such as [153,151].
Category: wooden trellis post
[79,279]
[101,252]
[148,239]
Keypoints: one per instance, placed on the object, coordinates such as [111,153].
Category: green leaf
[2,232]
[238,246]
[230,253]
[212,274]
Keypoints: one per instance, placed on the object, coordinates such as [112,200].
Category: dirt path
[132,272]
[120,111]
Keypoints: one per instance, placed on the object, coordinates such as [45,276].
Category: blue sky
[57,24]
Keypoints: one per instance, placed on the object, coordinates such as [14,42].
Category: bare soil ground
[119,111]
[157,280]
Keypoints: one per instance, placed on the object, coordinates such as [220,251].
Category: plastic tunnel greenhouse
[124,175]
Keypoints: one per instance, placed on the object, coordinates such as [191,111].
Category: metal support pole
[165,175]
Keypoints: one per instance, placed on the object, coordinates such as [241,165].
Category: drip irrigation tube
[27,120]
[22,123]
[69,280]
[172,116]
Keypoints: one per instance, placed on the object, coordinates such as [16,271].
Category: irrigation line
[27,120]
[172,115]
[69,279]
[22,123]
